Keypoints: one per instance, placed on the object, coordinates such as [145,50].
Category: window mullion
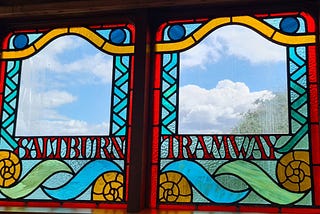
[139,135]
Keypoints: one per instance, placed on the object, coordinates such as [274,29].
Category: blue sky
[223,77]
[237,53]
[65,88]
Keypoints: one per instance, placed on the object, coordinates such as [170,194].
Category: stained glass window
[232,123]
[65,122]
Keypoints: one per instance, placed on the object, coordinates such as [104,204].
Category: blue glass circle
[118,36]
[176,32]
[20,41]
[289,24]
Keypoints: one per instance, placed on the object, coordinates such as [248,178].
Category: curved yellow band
[97,40]
[264,29]
[190,41]
[273,34]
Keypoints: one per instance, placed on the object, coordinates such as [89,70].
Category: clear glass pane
[233,82]
[65,89]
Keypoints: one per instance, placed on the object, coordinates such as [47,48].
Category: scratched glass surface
[233,82]
[65,90]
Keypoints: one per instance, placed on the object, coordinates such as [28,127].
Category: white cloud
[63,43]
[53,57]
[68,128]
[202,53]
[216,110]
[31,100]
[52,99]
[64,128]
[97,64]
[237,41]
[37,115]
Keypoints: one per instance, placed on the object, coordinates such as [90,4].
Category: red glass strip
[129,122]
[1,104]
[155,150]
[95,26]
[160,32]
[315,144]
[177,207]
[43,204]
[284,14]
[133,32]
[312,64]
[3,65]
[316,179]
[129,132]
[114,25]
[314,103]
[12,203]
[156,107]
[127,182]
[112,206]
[26,31]
[261,15]
[311,25]
[299,210]
[157,73]
[261,208]
[156,131]
[128,144]
[217,208]
[181,21]
[77,205]
[202,20]
[154,186]
[131,74]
